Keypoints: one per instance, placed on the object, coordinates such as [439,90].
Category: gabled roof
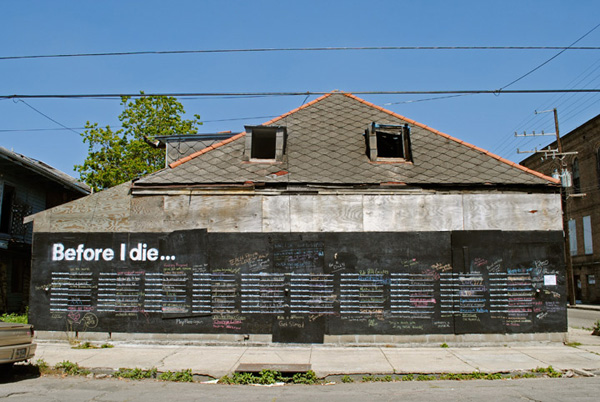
[9,158]
[325,145]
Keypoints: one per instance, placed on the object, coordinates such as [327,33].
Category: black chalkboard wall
[300,286]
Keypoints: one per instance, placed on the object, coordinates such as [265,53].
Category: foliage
[14,318]
[423,377]
[268,377]
[118,156]
[549,371]
[69,368]
[135,374]
[347,379]
[305,378]
[408,377]
[596,329]
[573,344]
[178,376]
[42,365]
[444,345]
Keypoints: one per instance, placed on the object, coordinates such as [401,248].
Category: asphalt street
[78,389]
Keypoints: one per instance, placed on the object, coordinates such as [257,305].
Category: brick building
[582,206]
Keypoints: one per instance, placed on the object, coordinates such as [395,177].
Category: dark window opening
[8,195]
[264,144]
[389,145]
[576,179]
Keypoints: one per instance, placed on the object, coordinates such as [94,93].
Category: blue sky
[488,121]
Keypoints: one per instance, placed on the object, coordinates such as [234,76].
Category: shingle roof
[40,168]
[325,145]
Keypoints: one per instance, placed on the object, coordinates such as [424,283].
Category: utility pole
[558,152]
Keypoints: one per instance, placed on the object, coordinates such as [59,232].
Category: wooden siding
[115,210]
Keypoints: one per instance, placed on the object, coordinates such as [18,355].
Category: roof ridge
[476,148]
[242,134]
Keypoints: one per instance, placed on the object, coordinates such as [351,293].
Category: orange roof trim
[413,122]
[488,153]
[240,135]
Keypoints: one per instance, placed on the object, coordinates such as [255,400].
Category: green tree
[115,157]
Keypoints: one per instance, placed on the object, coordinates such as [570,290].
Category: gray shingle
[326,145]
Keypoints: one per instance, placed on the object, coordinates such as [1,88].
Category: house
[581,164]
[26,186]
[339,221]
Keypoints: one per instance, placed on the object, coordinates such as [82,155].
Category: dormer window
[265,143]
[388,143]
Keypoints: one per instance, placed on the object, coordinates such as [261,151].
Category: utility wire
[46,116]
[305,93]
[297,49]
[550,59]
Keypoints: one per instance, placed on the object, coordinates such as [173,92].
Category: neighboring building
[582,208]
[339,221]
[26,186]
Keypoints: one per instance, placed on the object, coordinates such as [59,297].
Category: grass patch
[573,344]
[267,377]
[347,379]
[177,376]
[89,345]
[135,374]
[68,368]
[548,371]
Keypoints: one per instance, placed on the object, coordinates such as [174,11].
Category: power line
[24,130]
[46,116]
[550,59]
[304,93]
[296,49]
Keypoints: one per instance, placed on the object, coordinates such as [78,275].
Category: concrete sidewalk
[325,360]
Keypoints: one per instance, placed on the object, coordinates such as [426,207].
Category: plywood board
[406,213]
[512,211]
[326,213]
[276,214]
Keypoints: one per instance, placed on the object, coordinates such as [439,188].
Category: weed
[573,344]
[177,376]
[444,345]
[267,377]
[42,365]
[596,329]
[69,368]
[305,378]
[454,377]
[522,375]
[84,345]
[135,374]
[14,318]
[107,346]
[347,379]
[493,376]
[549,371]
[423,377]
[387,378]
[476,375]
[408,377]
[368,378]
